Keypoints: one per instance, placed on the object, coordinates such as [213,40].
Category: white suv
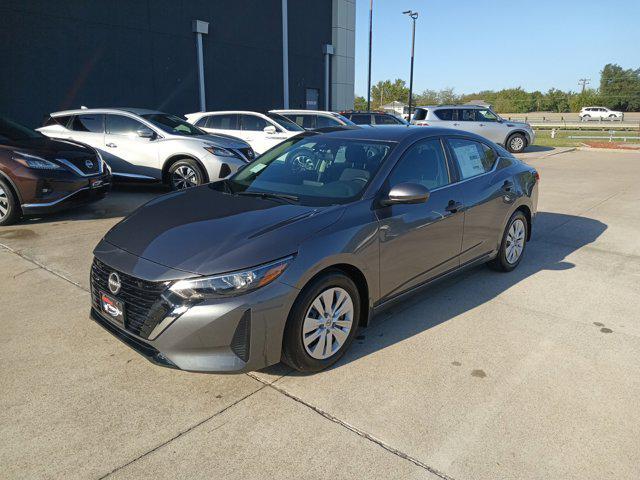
[147,145]
[515,136]
[600,113]
[261,131]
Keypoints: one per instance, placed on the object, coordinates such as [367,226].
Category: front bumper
[65,192]
[221,167]
[223,335]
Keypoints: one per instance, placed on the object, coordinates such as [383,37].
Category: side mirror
[270,129]
[146,133]
[406,193]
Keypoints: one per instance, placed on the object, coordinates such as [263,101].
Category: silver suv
[147,145]
[515,136]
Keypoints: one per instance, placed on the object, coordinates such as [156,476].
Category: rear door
[127,152]
[487,196]
[361,118]
[447,117]
[226,123]
[467,120]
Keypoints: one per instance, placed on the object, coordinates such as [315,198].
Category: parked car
[261,131]
[315,119]
[373,118]
[39,175]
[600,113]
[515,136]
[289,256]
[147,145]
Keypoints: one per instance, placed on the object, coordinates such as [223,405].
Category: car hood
[49,148]
[224,141]
[205,231]
[509,123]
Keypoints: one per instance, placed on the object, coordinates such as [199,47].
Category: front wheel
[322,323]
[9,209]
[185,174]
[514,242]
[516,143]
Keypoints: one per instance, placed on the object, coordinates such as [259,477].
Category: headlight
[230,284]
[33,161]
[219,151]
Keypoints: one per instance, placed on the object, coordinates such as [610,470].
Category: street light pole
[414,16]
[370,42]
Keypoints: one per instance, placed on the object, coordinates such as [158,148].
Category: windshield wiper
[271,195]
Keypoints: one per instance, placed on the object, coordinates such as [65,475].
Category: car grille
[247,153]
[144,306]
[87,165]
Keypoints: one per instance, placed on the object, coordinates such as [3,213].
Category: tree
[386,91]
[360,103]
[619,88]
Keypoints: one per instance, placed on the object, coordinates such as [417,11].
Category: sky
[473,45]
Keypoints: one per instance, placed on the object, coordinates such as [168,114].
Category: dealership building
[176,57]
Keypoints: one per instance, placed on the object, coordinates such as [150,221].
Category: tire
[300,349]
[9,206]
[185,173]
[504,262]
[516,143]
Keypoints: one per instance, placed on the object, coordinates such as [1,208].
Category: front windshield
[285,122]
[315,169]
[172,124]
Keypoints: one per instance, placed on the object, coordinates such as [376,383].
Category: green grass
[543,138]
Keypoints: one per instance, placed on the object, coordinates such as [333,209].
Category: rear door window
[446,114]
[361,119]
[473,158]
[385,120]
[88,123]
[227,121]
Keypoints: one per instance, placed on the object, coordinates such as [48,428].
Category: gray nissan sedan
[287,258]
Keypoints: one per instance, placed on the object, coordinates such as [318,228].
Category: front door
[420,241]
[127,152]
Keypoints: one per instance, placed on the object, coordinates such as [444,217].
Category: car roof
[394,133]
[135,111]
[312,112]
[453,105]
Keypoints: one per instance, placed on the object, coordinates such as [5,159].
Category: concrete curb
[612,150]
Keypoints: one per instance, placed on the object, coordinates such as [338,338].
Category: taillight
[536,175]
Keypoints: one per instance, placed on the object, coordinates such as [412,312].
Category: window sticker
[470,160]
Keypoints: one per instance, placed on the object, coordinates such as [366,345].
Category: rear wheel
[586,118]
[322,323]
[185,173]
[514,242]
[9,208]
[516,143]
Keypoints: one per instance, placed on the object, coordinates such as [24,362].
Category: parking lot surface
[532,374]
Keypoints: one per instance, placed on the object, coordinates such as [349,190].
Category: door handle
[456,124]
[482,124]
[507,185]
[453,206]
[112,145]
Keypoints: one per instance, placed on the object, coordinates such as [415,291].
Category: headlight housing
[230,284]
[35,162]
[219,151]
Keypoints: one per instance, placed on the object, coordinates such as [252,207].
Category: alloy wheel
[184,177]
[517,143]
[515,241]
[4,203]
[327,323]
